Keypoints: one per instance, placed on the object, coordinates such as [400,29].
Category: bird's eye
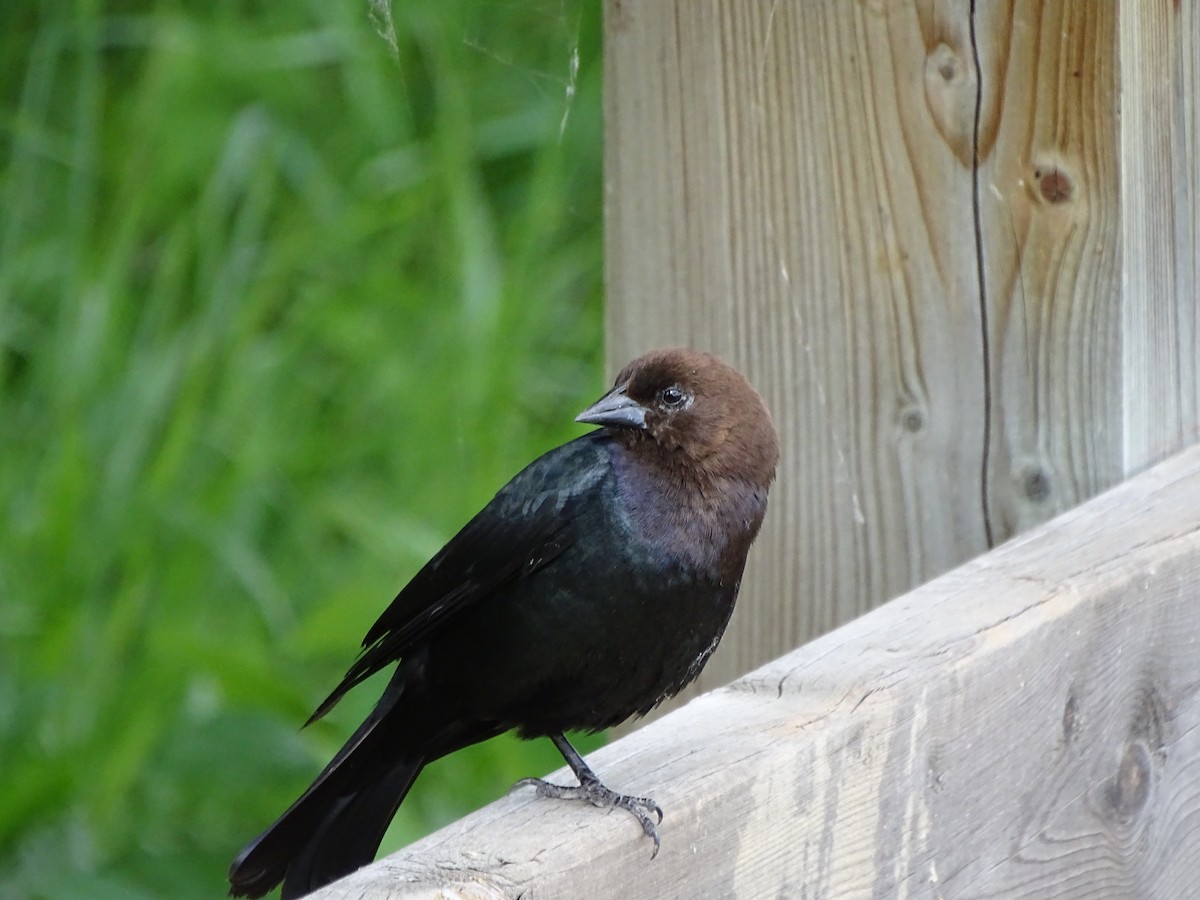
[673,397]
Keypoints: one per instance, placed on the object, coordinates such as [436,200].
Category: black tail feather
[350,834]
[337,824]
[329,832]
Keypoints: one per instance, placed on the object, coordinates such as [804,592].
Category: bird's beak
[615,409]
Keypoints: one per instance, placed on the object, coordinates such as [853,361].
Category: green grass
[278,313]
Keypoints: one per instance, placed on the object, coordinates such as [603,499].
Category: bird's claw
[595,793]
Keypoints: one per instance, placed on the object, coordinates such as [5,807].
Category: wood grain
[1026,726]
[966,286]
[781,193]
[1160,203]
[1048,200]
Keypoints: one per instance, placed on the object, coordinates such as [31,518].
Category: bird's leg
[594,792]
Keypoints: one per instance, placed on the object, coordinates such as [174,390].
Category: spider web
[563,15]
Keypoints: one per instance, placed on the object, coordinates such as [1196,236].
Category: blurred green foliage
[278,313]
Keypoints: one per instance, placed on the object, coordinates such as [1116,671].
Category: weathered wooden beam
[1025,726]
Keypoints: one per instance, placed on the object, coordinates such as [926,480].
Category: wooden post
[1026,726]
[955,245]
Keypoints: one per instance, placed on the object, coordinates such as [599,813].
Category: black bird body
[592,587]
[601,593]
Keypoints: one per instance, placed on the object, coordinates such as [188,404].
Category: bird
[591,588]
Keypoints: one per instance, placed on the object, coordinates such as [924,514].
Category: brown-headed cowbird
[593,586]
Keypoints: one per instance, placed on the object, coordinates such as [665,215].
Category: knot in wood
[950,96]
[1035,484]
[912,420]
[1125,793]
[1070,718]
[1054,184]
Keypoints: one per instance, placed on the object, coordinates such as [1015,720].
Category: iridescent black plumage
[592,587]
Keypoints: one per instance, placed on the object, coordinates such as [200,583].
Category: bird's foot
[595,793]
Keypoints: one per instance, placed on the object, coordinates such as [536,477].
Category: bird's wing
[524,527]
